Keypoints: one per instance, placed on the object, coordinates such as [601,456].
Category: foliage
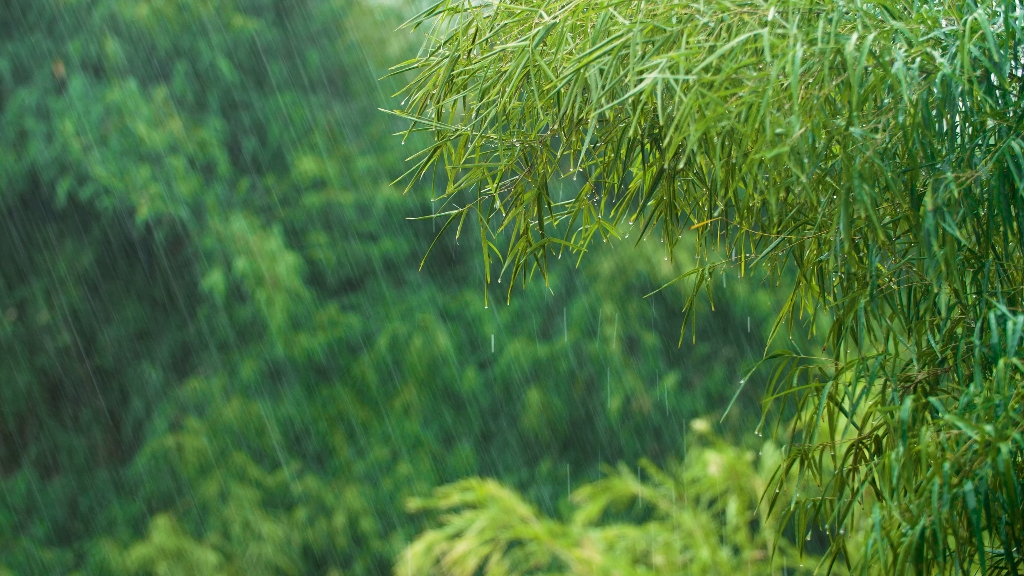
[698,517]
[873,148]
[216,352]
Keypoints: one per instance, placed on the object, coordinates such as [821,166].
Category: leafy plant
[874,148]
[700,516]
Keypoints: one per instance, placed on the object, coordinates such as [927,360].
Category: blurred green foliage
[217,355]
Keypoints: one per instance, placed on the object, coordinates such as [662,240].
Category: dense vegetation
[217,354]
[875,148]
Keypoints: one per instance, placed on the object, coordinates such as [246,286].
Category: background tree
[217,355]
[875,149]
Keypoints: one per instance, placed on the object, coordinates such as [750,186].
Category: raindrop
[640,491]
[608,386]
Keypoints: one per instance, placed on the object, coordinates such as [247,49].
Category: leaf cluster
[696,516]
[875,149]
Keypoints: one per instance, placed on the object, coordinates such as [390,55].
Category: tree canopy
[874,149]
